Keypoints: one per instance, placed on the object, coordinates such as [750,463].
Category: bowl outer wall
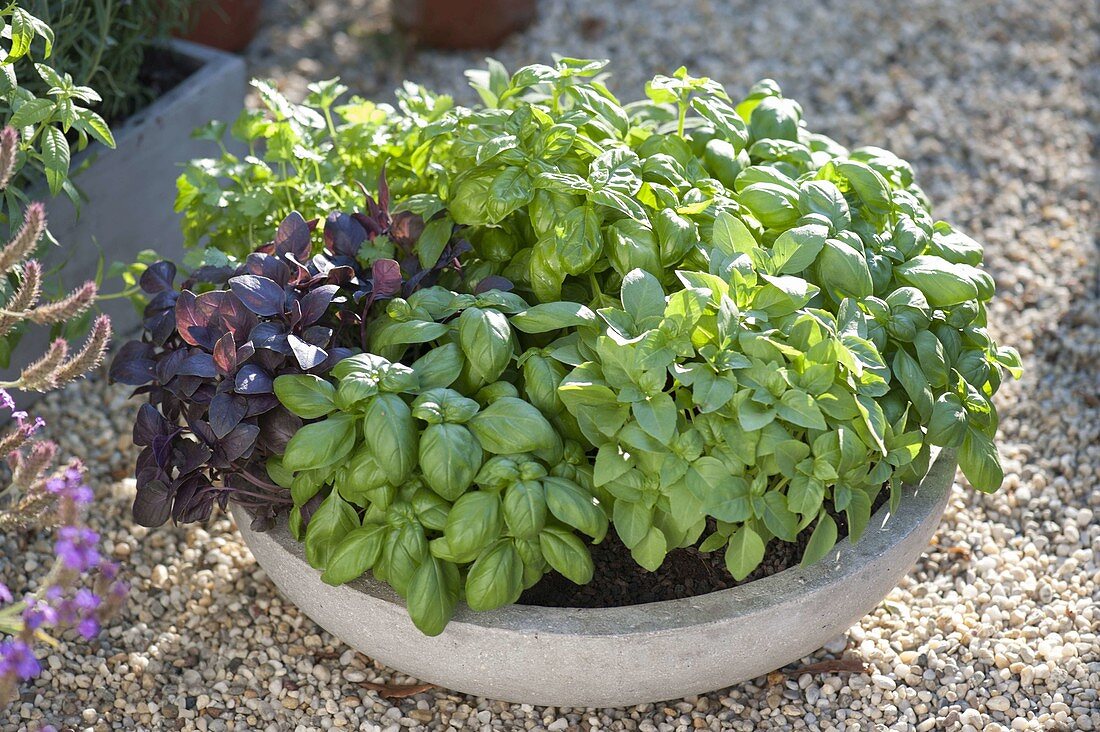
[607,657]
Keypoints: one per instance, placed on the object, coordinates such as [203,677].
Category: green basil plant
[446,478]
[723,329]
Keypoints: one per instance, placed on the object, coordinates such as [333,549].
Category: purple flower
[88,628]
[17,658]
[5,593]
[76,546]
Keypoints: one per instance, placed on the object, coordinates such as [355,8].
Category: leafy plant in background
[44,122]
[307,157]
[735,329]
[104,44]
[214,345]
[81,589]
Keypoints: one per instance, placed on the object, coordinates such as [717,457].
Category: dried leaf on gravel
[397,691]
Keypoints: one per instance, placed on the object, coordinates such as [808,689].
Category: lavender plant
[82,588]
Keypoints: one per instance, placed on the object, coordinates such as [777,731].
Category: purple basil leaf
[343,234]
[134,364]
[152,504]
[158,277]
[261,403]
[225,355]
[405,230]
[386,275]
[149,425]
[191,322]
[191,456]
[239,442]
[493,282]
[293,237]
[317,335]
[226,412]
[261,295]
[194,500]
[307,355]
[277,427]
[315,303]
[268,266]
[252,379]
[307,510]
[200,364]
[271,336]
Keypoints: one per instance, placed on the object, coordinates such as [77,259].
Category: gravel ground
[996,628]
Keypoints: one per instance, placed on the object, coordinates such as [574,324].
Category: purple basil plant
[212,347]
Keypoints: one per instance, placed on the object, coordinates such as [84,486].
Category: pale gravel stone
[997,106]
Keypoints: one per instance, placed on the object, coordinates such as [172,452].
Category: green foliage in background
[103,44]
[309,157]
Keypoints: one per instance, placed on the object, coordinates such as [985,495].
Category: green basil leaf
[321,443]
[328,526]
[651,551]
[571,505]
[433,595]
[450,457]
[744,552]
[552,316]
[355,554]
[486,340]
[474,522]
[391,435]
[632,521]
[822,540]
[306,395]
[440,366]
[496,578]
[525,508]
[642,295]
[567,555]
[980,462]
[799,408]
[656,415]
[943,283]
[509,426]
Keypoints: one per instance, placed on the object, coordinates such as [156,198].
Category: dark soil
[619,581]
[161,71]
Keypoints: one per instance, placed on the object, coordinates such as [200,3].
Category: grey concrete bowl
[626,655]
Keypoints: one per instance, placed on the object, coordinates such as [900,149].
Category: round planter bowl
[622,656]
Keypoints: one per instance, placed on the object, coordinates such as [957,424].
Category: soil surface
[161,71]
[619,580]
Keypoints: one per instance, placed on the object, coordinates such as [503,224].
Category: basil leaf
[525,508]
[355,554]
[651,551]
[450,457]
[496,578]
[474,522]
[744,552]
[571,505]
[306,395]
[822,540]
[980,462]
[391,435]
[552,316]
[321,443]
[567,555]
[433,595]
[486,340]
[328,526]
[510,425]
